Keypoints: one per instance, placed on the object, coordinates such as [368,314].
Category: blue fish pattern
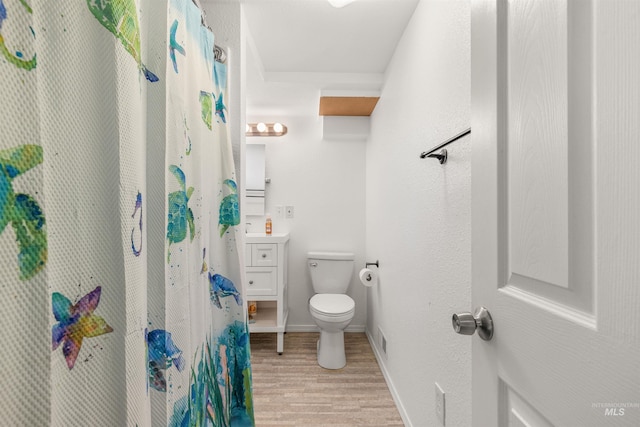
[162,353]
[220,287]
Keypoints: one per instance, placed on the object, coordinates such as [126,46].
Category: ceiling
[313,36]
[298,48]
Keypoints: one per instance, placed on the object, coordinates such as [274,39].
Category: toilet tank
[330,271]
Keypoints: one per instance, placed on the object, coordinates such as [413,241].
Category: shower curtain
[120,258]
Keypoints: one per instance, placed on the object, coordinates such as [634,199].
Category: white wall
[418,215]
[325,182]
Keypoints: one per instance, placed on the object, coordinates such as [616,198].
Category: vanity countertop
[263,238]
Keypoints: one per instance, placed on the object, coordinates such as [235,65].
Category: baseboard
[314,328]
[387,378]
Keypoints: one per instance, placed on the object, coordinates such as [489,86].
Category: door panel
[536,120]
[551,207]
[548,197]
[517,412]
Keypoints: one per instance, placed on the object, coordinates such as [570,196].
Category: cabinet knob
[264,255]
[251,282]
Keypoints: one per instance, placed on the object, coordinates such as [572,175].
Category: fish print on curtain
[205,368]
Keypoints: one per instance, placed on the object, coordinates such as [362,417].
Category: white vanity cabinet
[266,263]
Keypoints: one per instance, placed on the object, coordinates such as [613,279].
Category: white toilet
[330,307]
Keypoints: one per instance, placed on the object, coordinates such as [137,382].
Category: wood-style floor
[293,390]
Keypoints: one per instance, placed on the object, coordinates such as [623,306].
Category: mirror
[255,179]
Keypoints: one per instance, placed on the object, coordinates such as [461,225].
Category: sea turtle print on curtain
[202,241]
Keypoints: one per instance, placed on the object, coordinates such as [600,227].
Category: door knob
[467,323]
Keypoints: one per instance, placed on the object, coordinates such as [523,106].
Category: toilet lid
[332,303]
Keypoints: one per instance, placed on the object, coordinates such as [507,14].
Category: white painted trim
[314,328]
[350,93]
[387,378]
[352,81]
[302,328]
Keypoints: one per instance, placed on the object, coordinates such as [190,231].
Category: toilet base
[331,353]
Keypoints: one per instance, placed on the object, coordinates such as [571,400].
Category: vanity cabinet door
[262,281]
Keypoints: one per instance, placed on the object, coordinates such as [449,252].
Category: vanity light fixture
[265,129]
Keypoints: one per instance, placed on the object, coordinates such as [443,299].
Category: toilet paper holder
[368,275]
[367,264]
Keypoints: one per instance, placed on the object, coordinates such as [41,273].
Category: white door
[556,211]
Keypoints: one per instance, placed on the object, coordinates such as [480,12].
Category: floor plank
[293,390]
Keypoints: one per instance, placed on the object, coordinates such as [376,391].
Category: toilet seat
[332,305]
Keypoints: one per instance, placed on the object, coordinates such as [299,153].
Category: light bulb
[262,127]
[247,128]
[277,127]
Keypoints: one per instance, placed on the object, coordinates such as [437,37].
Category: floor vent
[382,342]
